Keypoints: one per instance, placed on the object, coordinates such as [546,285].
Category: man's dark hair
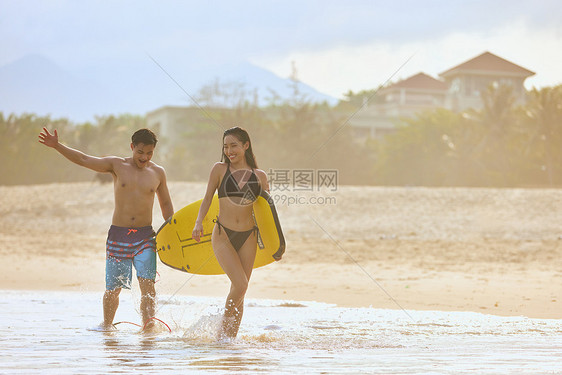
[145,136]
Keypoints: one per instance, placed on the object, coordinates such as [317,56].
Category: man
[130,238]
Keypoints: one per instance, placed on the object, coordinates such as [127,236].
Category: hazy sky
[336,45]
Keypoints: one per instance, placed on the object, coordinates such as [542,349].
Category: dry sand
[495,251]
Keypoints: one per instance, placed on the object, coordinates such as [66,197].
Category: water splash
[47,332]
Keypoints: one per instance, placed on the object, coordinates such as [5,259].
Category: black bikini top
[229,187]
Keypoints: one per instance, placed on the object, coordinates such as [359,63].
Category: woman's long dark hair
[242,135]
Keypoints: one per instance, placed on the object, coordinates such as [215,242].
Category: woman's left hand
[197,232]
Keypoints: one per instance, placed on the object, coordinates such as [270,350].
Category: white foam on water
[49,332]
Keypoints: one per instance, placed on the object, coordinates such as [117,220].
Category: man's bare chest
[136,182]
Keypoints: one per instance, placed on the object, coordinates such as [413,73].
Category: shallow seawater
[54,332]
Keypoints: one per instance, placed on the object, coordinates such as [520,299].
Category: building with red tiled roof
[460,88]
[404,98]
[490,64]
[468,80]
[412,95]
[420,81]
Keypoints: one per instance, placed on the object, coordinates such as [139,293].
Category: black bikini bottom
[237,239]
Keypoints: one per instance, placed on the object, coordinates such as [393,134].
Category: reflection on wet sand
[231,362]
[123,352]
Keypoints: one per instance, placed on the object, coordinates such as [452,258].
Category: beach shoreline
[493,251]
[511,291]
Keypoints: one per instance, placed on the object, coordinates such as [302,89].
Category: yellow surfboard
[177,249]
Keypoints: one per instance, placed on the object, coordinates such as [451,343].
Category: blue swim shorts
[125,248]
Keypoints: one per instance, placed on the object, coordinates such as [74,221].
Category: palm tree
[545,114]
[496,122]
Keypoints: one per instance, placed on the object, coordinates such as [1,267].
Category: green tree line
[502,144]
[30,162]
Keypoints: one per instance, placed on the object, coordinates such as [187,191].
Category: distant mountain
[38,85]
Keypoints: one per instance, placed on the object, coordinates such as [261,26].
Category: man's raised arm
[104,164]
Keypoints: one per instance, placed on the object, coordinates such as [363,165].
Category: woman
[234,237]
